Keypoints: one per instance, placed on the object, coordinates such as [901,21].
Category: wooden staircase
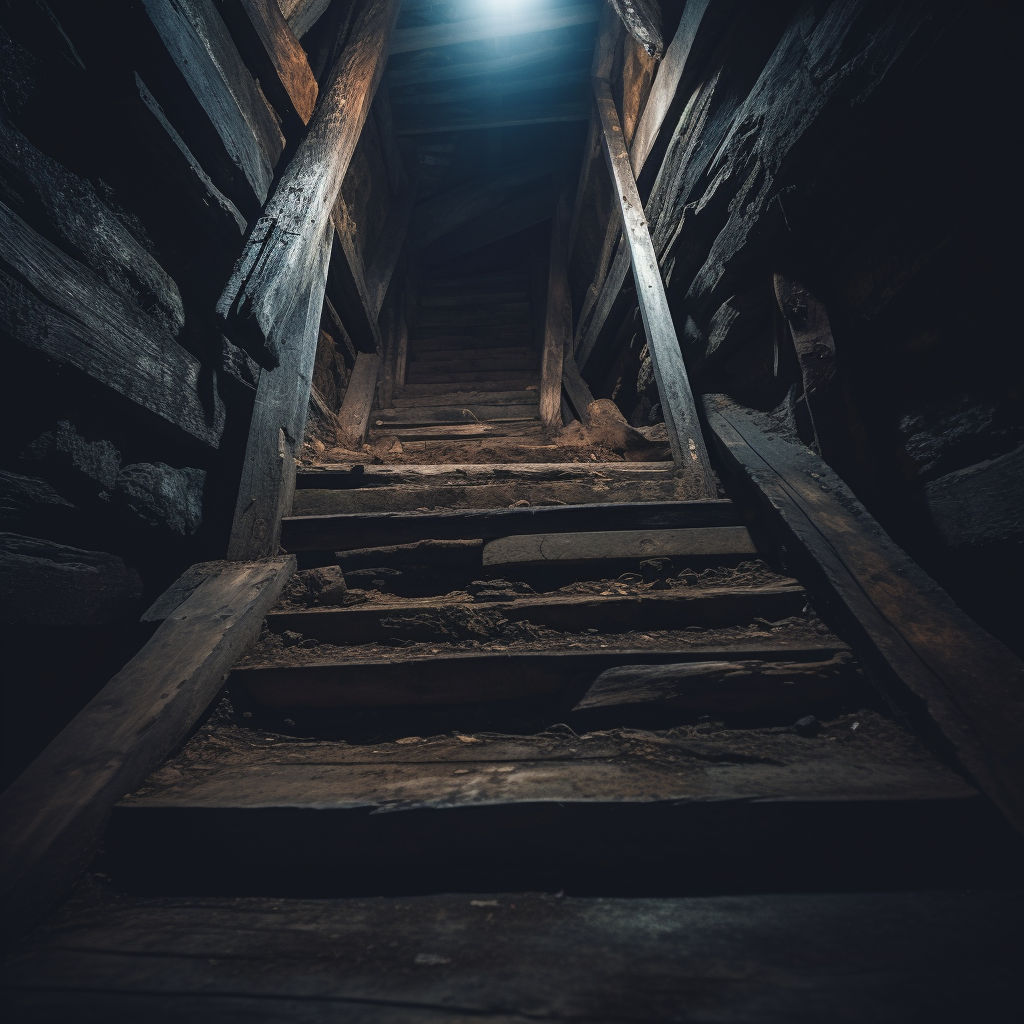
[472,367]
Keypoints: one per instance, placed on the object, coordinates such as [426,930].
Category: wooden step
[437,370]
[521,354]
[498,314]
[465,398]
[655,609]
[480,343]
[518,384]
[470,379]
[490,812]
[351,474]
[310,501]
[544,549]
[459,431]
[505,279]
[361,530]
[497,296]
[502,958]
[437,415]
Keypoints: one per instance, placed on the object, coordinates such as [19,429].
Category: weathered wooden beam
[201,48]
[937,664]
[533,208]
[642,19]
[441,214]
[277,427]
[354,417]
[272,274]
[453,118]
[428,68]
[55,812]
[56,306]
[677,402]
[275,56]
[576,388]
[661,102]
[426,37]
[302,15]
[558,319]
[347,283]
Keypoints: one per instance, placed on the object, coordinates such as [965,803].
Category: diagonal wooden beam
[274,272]
[684,434]
[642,18]
[471,30]
[302,15]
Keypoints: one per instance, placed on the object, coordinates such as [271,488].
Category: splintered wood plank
[718,687]
[677,402]
[667,609]
[936,660]
[344,532]
[542,549]
[55,811]
[273,271]
[426,37]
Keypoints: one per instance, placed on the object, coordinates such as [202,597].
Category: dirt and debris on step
[455,630]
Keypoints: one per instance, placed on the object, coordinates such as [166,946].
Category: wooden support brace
[576,388]
[354,417]
[558,321]
[677,402]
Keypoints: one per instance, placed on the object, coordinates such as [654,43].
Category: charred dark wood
[68,211]
[275,56]
[273,273]
[56,306]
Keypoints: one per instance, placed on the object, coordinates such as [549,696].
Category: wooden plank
[474,384]
[329,533]
[533,208]
[55,811]
[857,954]
[642,19]
[406,679]
[721,687]
[442,213]
[936,661]
[558,318]
[275,55]
[444,397]
[576,388]
[346,475]
[669,609]
[426,37]
[490,352]
[201,47]
[461,431]
[542,549]
[454,118]
[354,417]
[453,414]
[55,306]
[273,272]
[673,384]
[277,428]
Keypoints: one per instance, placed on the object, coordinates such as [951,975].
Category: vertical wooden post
[684,434]
[354,416]
[558,321]
[278,425]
